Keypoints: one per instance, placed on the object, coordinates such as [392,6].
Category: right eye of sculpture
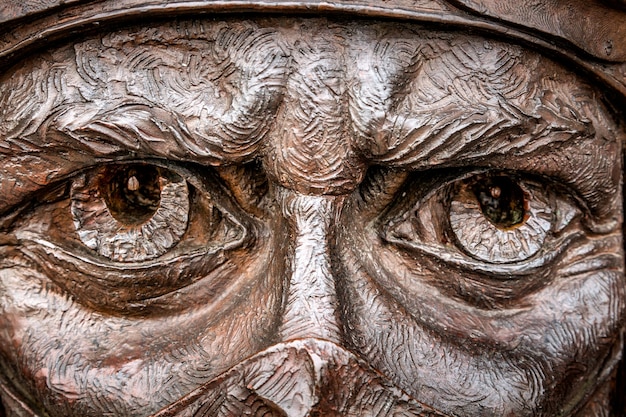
[134,233]
[130,212]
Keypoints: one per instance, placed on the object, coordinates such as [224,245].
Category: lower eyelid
[528,267]
[120,288]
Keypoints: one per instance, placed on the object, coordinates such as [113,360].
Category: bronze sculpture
[245,208]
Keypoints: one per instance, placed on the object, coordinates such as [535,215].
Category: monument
[350,208]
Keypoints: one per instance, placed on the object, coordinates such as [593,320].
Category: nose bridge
[311,302]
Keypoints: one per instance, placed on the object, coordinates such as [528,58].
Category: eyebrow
[412,105]
[507,112]
[59,115]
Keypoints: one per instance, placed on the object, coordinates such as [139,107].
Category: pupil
[132,193]
[501,200]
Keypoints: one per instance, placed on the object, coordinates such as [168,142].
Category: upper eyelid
[41,194]
[201,178]
[447,176]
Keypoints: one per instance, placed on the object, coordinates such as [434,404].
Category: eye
[129,237]
[496,222]
[130,213]
[500,220]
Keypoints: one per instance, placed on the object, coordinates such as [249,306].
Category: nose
[310,305]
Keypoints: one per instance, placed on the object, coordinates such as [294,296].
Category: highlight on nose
[311,302]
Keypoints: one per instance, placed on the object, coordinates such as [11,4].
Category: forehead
[317,100]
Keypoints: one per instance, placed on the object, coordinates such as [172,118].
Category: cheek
[536,353]
[83,363]
[431,366]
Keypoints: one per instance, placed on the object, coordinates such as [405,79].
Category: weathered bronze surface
[411,208]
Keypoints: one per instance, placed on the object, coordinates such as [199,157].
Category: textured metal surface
[374,212]
[587,33]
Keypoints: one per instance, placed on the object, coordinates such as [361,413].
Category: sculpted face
[304,217]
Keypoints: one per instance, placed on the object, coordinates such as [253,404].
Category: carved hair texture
[593,27]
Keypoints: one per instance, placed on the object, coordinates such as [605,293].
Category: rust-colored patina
[351,208]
